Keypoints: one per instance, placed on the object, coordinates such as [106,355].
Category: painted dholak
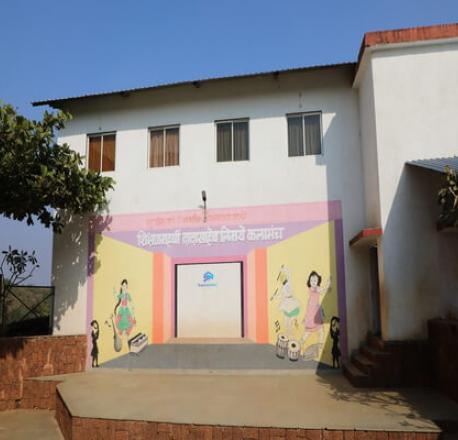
[282,346]
[294,350]
[138,343]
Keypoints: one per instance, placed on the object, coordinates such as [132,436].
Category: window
[164,147]
[232,140]
[102,152]
[304,134]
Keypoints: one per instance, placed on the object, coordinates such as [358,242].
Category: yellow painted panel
[290,263]
[116,261]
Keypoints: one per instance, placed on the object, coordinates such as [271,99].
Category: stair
[374,355]
[370,366]
[363,363]
[355,376]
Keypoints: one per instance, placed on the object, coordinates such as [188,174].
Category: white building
[294,164]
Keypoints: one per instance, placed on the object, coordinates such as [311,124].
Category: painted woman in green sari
[124,310]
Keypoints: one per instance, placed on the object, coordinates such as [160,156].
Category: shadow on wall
[341,159]
[420,263]
[344,179]
[73,262]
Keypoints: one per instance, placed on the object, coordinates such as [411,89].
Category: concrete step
[356,377]
[375,342]
[374,355]
[363,363]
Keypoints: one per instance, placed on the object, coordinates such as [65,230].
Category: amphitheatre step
[227,356]
[219,406]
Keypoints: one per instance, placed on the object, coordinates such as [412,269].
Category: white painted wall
[415,91]
[269,177]
[369,146]
[209,308]
[69,276]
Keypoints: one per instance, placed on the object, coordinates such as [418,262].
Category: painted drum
[282,346]
[294,350]
[138,343]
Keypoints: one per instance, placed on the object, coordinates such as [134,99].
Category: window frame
[101,135]
[162,128]
[231,121]
[302,114]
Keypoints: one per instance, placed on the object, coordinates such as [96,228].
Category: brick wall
[76,428]
[443,336]
[25,357]
[39,394]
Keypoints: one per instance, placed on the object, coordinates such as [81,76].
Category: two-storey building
[273,207]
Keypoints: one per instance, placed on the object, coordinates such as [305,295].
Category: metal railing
[26,310]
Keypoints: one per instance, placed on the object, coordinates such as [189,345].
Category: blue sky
[60,48]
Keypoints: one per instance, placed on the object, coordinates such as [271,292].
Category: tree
[40,178]
[448,200]
[16,267]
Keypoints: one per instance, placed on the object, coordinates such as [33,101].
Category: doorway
[375,291]
[209,300]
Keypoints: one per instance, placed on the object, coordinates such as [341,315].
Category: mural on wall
[288,303]
[124,313]
[335,332]
[314,314]
[95,349]
[293,277]
[311,268]
[121,296]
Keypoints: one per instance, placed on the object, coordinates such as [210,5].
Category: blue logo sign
[208,276]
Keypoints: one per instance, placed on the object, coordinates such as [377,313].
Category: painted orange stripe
[167,308]
[262,334]
[158,298]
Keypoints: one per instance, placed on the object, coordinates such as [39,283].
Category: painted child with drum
[289,305]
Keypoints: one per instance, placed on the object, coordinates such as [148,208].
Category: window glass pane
[108,158]
[295,136]
[241,141]
[312,124]
[171,147]
[156,153]
[95,150]
[224,142]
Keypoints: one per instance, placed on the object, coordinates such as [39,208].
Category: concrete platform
[29,424]
[271,400]
[187,354]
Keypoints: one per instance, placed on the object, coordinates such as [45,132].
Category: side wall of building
[416,91]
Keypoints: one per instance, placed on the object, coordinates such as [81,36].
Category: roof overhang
[406,37]
[366,237]
[197,83]
[437,164]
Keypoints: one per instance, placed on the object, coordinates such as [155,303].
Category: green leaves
[19,265]
[448,200]
[38,177]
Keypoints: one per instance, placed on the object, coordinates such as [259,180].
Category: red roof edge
[366,233]
[407,35]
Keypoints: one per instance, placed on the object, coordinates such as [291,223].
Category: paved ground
[233,356]
[281,400]
[29,424]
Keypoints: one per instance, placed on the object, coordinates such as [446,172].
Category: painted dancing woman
[314,315]
[124,311]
